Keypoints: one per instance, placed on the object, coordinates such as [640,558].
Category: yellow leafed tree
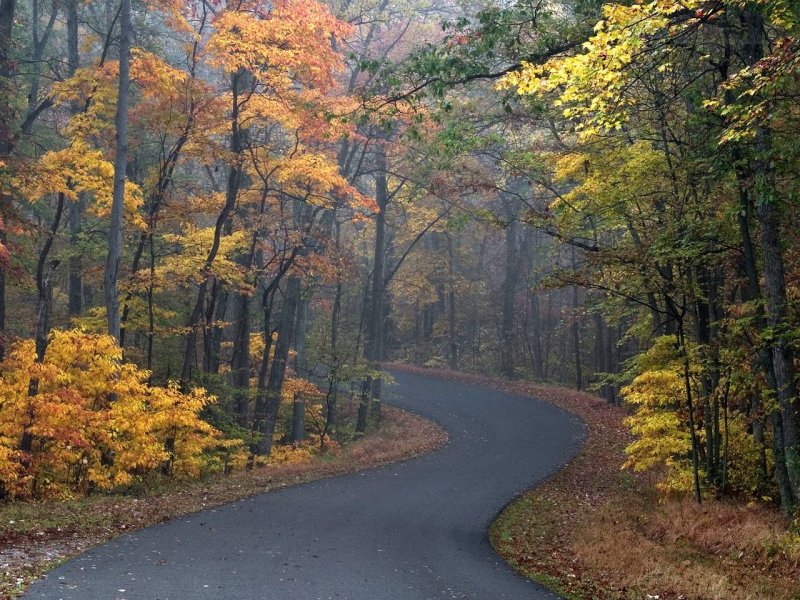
[93,422]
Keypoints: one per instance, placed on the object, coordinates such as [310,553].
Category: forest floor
[37,536]
[596,531]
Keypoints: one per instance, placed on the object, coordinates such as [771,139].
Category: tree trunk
[507,337]
[702,319]
[548,338]
[782,355]
[298,419]
[218,310]
[576,339]
[373,348]
[44,270]
[363,406]
[599,344]
[263,369]
[240,362]
[231,194]
[611,364]
[576,328]
[379,276]
[753,292]
[331,400]
[110,290]
[7,122]
[778,318]
[536,338]
[603,354]
[687,384]
[268,402]
[301,329]
[75,282]
[7,71]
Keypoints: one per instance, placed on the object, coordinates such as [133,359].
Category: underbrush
[678,548]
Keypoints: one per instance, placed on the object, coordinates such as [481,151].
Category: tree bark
[240,362]
[778,318]
[298,419]
[75,281]
[215,316]
[44,270]
[111,274]
[782,354]
[268,401]
[687,384]
[7,120]
[507,337]
[373,347]
[231,194]
[267,300]
[752,292]
[301,330]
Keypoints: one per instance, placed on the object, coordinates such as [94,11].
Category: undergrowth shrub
[82,420]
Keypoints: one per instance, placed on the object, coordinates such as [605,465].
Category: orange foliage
[93,422]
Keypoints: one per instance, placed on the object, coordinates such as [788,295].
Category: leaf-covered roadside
[595,531]
[35,537]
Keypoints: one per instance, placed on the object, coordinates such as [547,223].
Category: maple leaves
[760,93]
[662,441]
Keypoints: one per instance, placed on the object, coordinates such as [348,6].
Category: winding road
[415,530]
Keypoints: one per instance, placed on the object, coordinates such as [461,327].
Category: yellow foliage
[189,264]
[594,86]
[92,421]
[79,169]
[94,89]
[291,454]
[660,421]
[296,385]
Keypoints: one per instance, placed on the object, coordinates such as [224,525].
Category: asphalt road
[411,531]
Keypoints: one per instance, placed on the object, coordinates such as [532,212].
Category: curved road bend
[408,531]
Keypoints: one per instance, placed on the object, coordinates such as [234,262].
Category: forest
[222,219]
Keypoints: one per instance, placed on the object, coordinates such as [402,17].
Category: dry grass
[594,531]
[35,537]
[678,549]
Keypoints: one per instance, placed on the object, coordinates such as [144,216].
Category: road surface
[410,531]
